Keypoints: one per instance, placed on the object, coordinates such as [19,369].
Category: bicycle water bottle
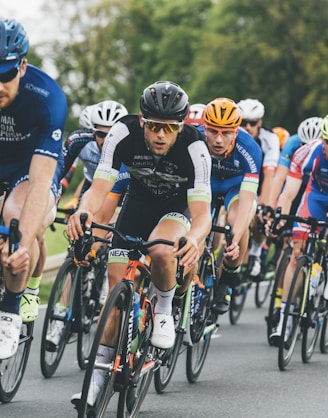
[315,276]
[136,308]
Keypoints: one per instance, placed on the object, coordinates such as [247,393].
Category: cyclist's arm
[277,185]
[245,214]
[267,182]
[289,193]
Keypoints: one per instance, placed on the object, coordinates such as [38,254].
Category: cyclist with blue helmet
[33,112]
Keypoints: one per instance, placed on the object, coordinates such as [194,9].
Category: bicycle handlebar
[226,230]
[311,221]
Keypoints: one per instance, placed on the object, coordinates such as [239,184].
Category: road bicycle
[73,309]
[12,369]
[130,372]
[263,283]
[310,311]
[194,320]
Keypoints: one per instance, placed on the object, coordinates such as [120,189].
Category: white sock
[256,249]
[164,301]
[104,355]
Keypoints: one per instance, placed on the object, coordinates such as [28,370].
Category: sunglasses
[100,134]
[10,75]
[249,122]
[221,131]
[155,126]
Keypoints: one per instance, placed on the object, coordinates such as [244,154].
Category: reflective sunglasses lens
[9,75]
[101,134]
[157,126]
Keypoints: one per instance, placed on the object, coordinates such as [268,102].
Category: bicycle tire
[164,373]
[238,297]
[286,349]
[131,398]
[12,370]
[119,299]
[87,316]
[201,331]
[272,318]
[51,356]
[312,323]
[264,284]
[324,335]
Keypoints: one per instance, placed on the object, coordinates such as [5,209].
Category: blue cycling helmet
[14,44]
[164,100]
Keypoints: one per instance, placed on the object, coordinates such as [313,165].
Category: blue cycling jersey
[288,150]
[32,124]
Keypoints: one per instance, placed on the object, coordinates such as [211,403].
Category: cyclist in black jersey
[169,196]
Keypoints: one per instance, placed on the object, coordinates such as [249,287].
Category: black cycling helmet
[164,100]
[14,44]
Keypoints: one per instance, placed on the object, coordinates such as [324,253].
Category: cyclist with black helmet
[169,197]
[236,164]
[252,112]
[33,112]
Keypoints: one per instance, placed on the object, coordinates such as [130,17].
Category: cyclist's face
[159,143]
[219,141]
[101,132]
[9,90]
[252,129]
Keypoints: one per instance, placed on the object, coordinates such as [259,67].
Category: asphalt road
[240,379]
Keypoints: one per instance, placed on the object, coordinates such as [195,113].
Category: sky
[28,13]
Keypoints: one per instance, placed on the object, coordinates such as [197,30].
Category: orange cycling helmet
[222,112]
[282,134]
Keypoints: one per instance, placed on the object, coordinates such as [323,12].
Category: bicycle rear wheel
[238,296]
[119,301]
[201,331]
[264,284]
[163,374]
[312,323]
[131,398]
[273,316]
[87,316]
[59,325]
[324,335]
[12,370]
[287,342]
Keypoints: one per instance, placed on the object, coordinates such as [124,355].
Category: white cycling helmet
[195,114]
[85,117]
[310,129]
[107,113]
[251,109]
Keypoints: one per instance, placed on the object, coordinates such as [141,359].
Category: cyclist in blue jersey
[236,165]
[311,162]
[169,197]
[32,114]
[307,131]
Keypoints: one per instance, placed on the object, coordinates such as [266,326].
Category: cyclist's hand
[2,242]
[232,251]
[74,228]
[189,253]
[18,262]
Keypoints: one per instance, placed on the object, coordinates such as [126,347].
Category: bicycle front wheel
[238,296]
[274,313]
[131,398]
[290,331]
[57,326]
[12,370]
[163,374]
[118,305]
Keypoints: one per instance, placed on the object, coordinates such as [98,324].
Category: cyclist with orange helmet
[236,164]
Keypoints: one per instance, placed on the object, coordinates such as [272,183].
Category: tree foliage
[275,51]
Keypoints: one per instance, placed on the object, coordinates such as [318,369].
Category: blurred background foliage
[275,51]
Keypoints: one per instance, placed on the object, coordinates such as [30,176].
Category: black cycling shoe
[221,300]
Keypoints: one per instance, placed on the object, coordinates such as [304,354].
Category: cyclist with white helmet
[33,112]
[195,115]
[252,111]
[309,162]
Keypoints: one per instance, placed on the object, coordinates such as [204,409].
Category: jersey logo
[56,135]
